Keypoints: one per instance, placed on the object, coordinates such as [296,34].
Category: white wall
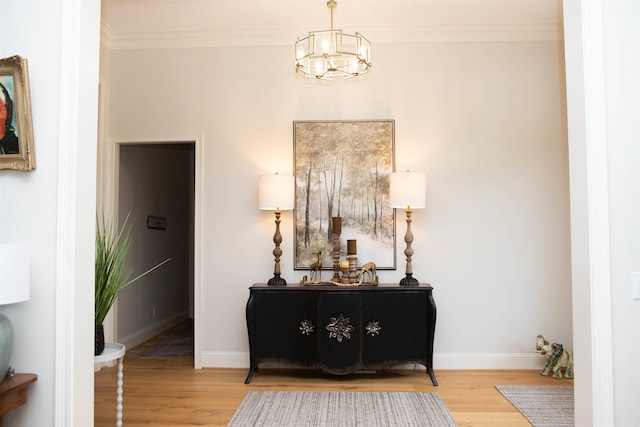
[485,121]
[52,208]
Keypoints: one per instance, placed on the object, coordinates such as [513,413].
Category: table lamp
[14,287]
[276,193]
[407,190]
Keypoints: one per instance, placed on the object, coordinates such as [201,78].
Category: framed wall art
[16,130]
[342,169]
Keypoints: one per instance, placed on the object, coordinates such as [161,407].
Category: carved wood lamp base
[409,280]
[276,280]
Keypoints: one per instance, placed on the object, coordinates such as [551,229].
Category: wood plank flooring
[169,392]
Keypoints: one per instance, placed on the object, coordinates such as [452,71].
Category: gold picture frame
[342,168]
[16,129]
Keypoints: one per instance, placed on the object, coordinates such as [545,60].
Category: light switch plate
[635,285]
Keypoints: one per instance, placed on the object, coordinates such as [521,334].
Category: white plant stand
[114,351]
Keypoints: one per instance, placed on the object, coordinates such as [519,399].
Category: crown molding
[387,35]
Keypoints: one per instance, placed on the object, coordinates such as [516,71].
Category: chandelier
[332,55]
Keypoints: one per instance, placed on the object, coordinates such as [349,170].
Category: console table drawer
[396,327]
[339,332]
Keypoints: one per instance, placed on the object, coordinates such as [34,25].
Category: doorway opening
[156,189]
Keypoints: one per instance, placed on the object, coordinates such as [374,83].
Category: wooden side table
[114,351]
[14,392]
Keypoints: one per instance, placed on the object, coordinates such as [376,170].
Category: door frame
[108,199]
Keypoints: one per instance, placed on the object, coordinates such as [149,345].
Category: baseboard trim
[488,361]
[224,359]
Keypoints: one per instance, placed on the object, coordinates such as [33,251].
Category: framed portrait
[342,169]
[16,130]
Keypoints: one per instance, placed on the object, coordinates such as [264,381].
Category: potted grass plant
[112,273]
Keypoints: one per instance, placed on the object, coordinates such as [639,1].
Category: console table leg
[432,375]
[252,369]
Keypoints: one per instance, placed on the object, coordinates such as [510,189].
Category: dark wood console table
[14,392]
[341,329]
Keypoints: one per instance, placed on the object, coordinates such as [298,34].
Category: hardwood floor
[169,392]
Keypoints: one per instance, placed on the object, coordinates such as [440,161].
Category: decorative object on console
[559,360]
[407,190]
[315,269]
[276,193]
[352,258]
[344,273]
[332,55]
[14,287]
[368,269]
[336,231]
[352,247]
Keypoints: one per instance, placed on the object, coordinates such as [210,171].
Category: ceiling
[167,23]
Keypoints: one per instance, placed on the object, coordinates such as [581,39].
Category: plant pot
[99,348]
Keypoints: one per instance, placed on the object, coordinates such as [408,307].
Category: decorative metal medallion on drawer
[306,327]
[339,328]
[373,328]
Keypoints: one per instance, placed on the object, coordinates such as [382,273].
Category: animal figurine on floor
[316,268]
[559,360]
[368,270]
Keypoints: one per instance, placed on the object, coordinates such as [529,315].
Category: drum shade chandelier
[331,54]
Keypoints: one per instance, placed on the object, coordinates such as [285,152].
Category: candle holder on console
[344,269]
[407,190]
[276,193]
[336,223]
[352,258]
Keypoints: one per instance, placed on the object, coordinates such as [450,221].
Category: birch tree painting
[342,170]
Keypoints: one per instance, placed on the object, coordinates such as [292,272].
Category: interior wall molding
[225,359]
[111,171]
[596,145]
[284,37]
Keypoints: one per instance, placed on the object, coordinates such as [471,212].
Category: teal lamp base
[6,344]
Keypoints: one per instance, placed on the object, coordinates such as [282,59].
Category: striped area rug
[543,406]
[341,409]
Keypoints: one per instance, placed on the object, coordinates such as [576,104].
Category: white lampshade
[14,287]
[276,192]
[14,273]
[407,190]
